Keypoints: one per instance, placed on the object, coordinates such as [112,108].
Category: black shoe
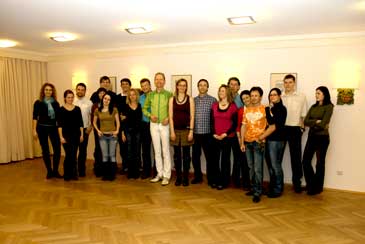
[256,199]
[82,174]
[49,175]
[145,176]
[298,189]
[250,193]
[213,185]
[185,182]
[220,187]
[196,181]
[75,178]
[178,182]
[273,195]
[57,175]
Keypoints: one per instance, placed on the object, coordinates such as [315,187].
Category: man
[145,131]
[105,83]
[202,131]
[296,105]
[239,159]
[253,126]
[158,103]
[121,101]
[85,106]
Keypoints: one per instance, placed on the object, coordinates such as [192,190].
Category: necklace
[180,101]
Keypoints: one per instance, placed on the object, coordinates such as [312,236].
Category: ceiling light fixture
[241,20]
[7,43]
[139,30]
[62,37]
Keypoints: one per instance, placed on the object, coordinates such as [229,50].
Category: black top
[40,113]
[134,117]
[70,121]
[95,97]
[277,115]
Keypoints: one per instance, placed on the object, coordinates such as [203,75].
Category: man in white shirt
[296,105]
[85,105]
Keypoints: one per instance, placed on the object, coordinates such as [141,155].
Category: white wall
[317,62]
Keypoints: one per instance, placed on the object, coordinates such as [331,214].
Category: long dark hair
[326,94]
[278,91]
[110,107]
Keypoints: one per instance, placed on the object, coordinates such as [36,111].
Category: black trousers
[123,150]
[97,151]
[134,152]
[316,144]
[294,139]
[221,161]
[204,141]
[146,143]
[81,161]
[45,132]
[240,167]
[182,159]
[70,163]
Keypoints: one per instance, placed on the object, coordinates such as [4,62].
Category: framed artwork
[175,78]
[345,96]
[113,83]
[277,80]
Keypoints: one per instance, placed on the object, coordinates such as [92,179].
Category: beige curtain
[20,81]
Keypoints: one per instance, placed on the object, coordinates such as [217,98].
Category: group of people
[237,123]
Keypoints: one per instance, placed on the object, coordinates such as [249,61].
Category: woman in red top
[224,119]
[181,118]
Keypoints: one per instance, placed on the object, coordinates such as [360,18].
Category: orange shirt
[255,120]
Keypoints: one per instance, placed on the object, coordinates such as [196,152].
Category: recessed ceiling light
[7,43]
[241,20]
[62,37]
[139,29]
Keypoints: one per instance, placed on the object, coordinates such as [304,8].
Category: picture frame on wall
[277,80]
[188,78]
[113,83]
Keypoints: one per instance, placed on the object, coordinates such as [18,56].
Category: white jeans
[161,136]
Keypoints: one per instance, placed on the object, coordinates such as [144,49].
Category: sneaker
[155,179]
[165,181]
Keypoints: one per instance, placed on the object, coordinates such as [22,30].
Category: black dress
[70,121]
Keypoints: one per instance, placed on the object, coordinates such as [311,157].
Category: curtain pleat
[20,81]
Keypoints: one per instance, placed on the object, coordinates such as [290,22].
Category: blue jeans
[274,158]
[255,159]
[108,145]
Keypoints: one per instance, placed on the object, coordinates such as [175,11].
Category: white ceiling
[100,23]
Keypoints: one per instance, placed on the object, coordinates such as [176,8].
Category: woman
[181,117]
[244,170]
[97,152]
[45,112]
[71,131]
[224,120]
[317,119]
[275,142]
[131,132]
[108,135]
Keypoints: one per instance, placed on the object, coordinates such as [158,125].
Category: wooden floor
[35,210]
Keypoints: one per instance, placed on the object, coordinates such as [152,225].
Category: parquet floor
[35,210]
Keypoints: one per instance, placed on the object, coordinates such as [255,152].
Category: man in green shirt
[157,102]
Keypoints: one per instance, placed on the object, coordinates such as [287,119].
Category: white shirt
[296,106]
[85,105]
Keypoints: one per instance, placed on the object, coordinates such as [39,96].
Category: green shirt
[322,113]
[158,103]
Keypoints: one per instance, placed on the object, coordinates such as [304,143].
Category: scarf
[51,112]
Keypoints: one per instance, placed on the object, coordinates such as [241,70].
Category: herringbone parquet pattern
[34,210]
